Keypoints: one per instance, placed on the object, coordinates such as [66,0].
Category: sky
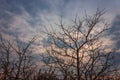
[26,18]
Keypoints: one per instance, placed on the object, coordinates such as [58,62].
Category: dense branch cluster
[76,52]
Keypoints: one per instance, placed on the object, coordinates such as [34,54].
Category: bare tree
[16,60]
[78,52]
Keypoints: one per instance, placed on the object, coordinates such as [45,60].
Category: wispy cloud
[26,18]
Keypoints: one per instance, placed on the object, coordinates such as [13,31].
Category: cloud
[26,18]
[115,31]
[19,25]
[36,14]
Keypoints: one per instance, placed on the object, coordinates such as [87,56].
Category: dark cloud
[115,31]
[48,41]
[67,8]
[31,6]
[24,16]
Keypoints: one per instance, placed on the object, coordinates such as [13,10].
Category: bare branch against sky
[23,20]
